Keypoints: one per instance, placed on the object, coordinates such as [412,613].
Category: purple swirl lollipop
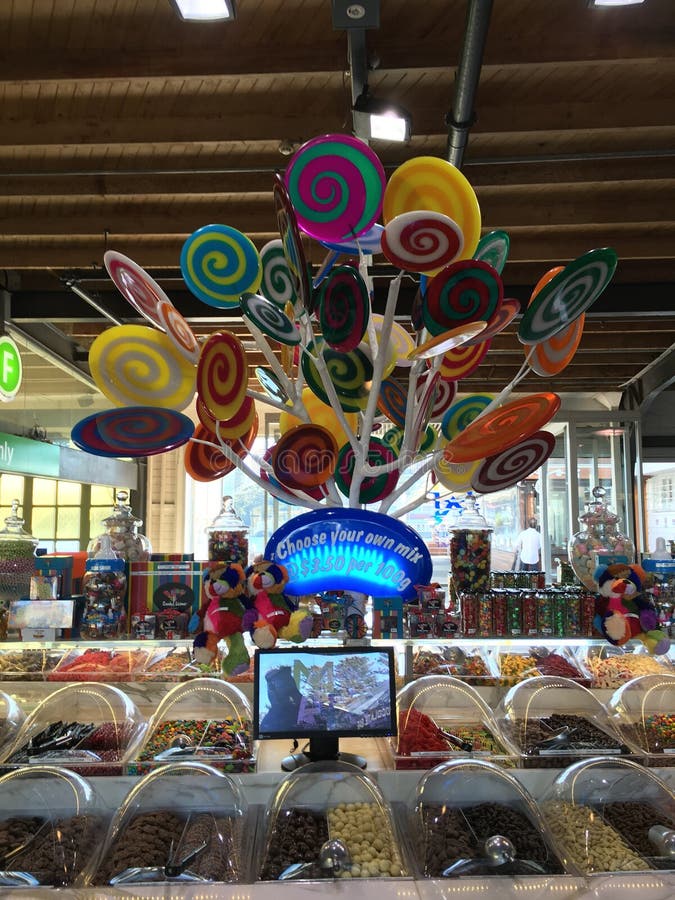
[343,308]
[132,431]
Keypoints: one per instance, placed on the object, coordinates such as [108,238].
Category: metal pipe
[358,61]
[45,352]
[460,119]
[76,289]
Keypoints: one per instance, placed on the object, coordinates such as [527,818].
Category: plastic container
[460,811]
[514,664]
[93,664]
[181,823]
[599,535]
[104,586]
[17,558]
[12,718]
[466,663]
[206,720]
[329,820]
[121,534]
[602,812]
[643,711]
[553,722]
[470,549]
[169,664]
[91,729]
[51,825]
[610,667]
[28,665]
[442,718]
[228,536]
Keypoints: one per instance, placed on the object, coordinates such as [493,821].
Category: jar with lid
[599,535]
[104,587]
[121,527]
[17,558]
[228,536]
[470,549]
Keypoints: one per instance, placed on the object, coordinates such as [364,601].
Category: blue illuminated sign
[351,549]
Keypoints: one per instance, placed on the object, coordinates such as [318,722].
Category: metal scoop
[498,851]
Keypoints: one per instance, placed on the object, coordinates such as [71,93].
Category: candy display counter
[643,711]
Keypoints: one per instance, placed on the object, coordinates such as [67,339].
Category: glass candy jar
[104,587]
[228,536]
[121,527]
[17,558]
[470,548]
[599,535]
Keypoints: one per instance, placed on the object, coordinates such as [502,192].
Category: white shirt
[529,542]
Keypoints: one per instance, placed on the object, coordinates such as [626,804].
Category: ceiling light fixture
[379,120]
[605,3]
[204,10]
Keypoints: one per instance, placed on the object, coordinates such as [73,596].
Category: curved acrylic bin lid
[643,710]
[51,824]
[181,822]
[12,718]
[460,808]
[603,812]
[91,727]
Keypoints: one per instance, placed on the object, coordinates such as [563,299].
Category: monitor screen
[324,692]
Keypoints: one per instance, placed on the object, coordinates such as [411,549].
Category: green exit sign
[10,368]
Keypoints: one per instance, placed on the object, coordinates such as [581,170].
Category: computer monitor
[321,694]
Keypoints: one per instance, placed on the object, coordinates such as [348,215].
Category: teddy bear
[272,614]
[222,613]
[624,610]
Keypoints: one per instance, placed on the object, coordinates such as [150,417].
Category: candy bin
[470,546]
[466,663]
[121,534]
[228,536]
[553,722]
[329,820]
[104,586]
[17,561]
[28,664]
[611,667]
[51,824]
[442,718]
[599,535]
[205,720]
[93,664]
[181,823]
[11,719]
[469,817]
[91,729]
[514,664]
[611,815]
[643,711]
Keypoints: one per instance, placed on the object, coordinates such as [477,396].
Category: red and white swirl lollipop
[135,285]
[422,241]
[178,330]
[507,468]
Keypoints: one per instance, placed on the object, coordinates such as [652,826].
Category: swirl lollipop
[550,357]
[392,401]
[304,457]
[417,307]
[434,185]
[335,183]
[277,282]
[135,285]
[456,477]
[463,413]
[466,291]
[369,243]
[292,244]
[463,361]
[134,365]
[267,474]
[510,466]
[567,295]
[446,391]
[372,489]
[271,384]
[447,340]
[319,414]
[219,264]
[493,248]
[222,374]
[502,317]
[240,423]
[204,463]
[422,241]
[349,373]
[398,347]
[343,308]
[425,403]
[271,320]
[132,431]
[503,428]
[178,331]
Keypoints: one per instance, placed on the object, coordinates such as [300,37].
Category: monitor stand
[322,748]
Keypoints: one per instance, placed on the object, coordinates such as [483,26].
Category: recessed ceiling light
[204,10]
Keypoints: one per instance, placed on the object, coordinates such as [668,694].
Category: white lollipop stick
[426,466]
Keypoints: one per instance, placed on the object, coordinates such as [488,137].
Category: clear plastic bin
[12,718]
[329,820]
[169,664]
[93,664]
[27,664]
[181,823]
[514,664]
[205,720]
[51,826]
[610,667]
[467,663]
[88,728]
[553,722]
[442,718]
[608,815]
[643,711]
[470,817]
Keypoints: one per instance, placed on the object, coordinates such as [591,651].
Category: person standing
[528,547]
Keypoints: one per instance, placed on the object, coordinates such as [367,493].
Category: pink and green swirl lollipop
[344,308]
[291,243]
[336,184]
[372,489]
[466,291]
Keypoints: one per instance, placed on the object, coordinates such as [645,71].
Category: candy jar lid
[52,822]
[227,519]
[331,808]
[462,807]
[604,814]
[471,516]
[14,530]
[643,710]
[196,815]
[121,515]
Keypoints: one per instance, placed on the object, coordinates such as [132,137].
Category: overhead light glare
[204,10]
[378,120]
[594,3]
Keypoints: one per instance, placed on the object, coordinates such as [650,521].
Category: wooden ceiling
[123,127]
